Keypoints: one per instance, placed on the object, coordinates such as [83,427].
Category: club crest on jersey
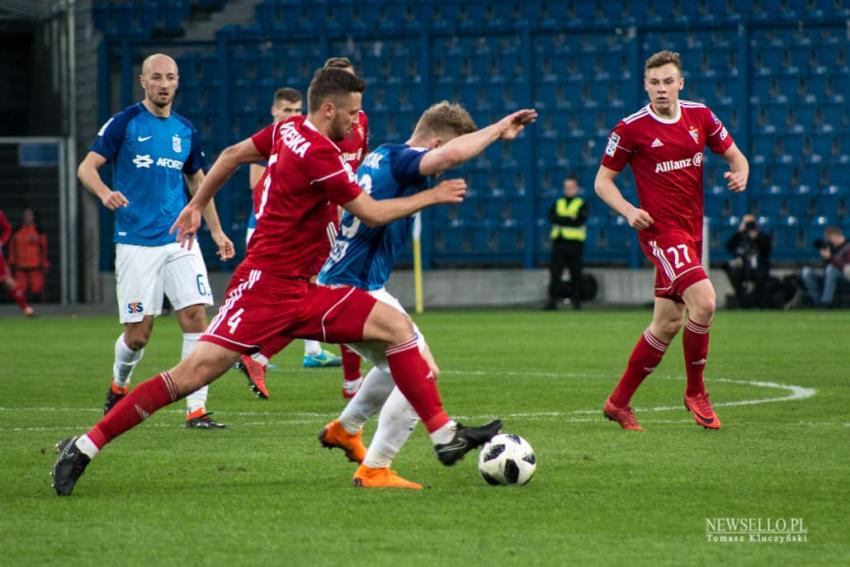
[694,132]
[613,141]
[175,144]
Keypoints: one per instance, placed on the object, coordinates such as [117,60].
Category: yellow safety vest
[562,209]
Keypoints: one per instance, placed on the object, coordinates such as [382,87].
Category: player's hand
[226,250]
[512,124]
[450,191]
[735,181]
[187,225]
[114,199]
[639,219]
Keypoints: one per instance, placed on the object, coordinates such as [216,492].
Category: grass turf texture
[264,492]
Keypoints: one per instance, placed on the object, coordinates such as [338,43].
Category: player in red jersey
[271,294]
[6,276]
[354,147]
[664,143]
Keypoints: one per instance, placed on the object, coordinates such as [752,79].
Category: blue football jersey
[362,256]
[149,156]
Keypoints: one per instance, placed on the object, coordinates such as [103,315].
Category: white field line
[792,393]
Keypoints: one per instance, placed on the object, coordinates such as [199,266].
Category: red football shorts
[261,307]
[30,281]
[678,263]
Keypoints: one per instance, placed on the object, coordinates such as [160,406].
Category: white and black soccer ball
[507,459]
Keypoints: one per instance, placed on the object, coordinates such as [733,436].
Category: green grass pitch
[263,492]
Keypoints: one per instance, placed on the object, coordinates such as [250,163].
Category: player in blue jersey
[155,154]
[362,256]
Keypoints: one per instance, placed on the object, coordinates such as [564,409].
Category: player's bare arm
[380,212]
[228,161]
[254,174]
[226,250]
[88,174]
[463,148]
[607,190]
[739,169]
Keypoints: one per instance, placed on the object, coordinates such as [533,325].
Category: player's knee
[137,340]
[399,328]
[670,327]
[703,308]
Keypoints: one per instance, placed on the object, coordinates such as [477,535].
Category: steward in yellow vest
[568,215]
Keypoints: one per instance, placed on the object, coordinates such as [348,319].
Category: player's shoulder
[628,121]
[183,120]
[119,121]
[692,107]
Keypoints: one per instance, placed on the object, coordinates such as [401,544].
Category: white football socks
[198,399]
[87,446]
[126,360]
[261,358]
[397,421]
[312,348]
[372,394]
[444,434]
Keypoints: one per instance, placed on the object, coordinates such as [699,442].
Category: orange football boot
[335,435]
[624,416]
[701,410]
[367,477]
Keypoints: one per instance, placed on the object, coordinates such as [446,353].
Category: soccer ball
[507,459]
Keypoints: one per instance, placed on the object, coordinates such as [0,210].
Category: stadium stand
[776,72]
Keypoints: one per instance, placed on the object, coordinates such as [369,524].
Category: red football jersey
[297,213]
[667,161]
[355,146]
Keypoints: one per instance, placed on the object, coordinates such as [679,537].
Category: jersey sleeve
[264,140]
[111,136]
[334,176]
[717,137]
[619,149]
[196,159]
[404,165]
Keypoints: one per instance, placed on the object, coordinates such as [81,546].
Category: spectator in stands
[821,283]
[28,256]
[568,215]
[749,268]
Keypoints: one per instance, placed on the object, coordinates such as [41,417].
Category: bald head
[159,61]
[159,79]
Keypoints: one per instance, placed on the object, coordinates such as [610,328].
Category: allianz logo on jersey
[674,164]
[146,162]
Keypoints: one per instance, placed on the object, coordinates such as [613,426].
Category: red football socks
[415,380]
[19,298]
[695,341]
[350,364]
[645,357]
[138,405]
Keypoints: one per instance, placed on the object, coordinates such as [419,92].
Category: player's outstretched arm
[380,212]
[463,148]
[226,250]
[189,221]
[739,169]
[608,192]
[88,174]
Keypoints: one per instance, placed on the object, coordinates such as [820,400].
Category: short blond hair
[446,117]
[661,58]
